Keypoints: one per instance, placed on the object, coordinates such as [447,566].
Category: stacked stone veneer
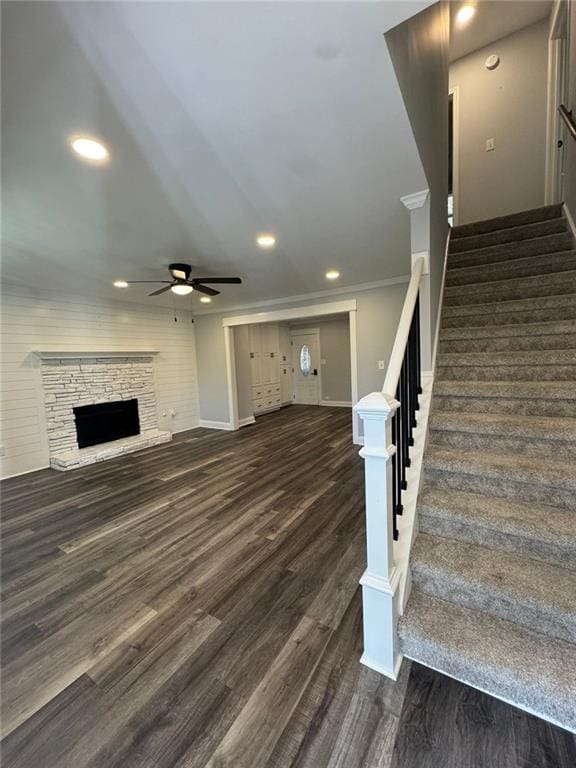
[69,383]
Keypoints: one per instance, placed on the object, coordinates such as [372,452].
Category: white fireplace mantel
[65,354]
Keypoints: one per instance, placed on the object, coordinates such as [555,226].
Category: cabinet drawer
[259,391]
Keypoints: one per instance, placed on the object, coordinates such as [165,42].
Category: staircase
[493,599]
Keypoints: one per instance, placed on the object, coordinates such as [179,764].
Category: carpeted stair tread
[515,343]
[505,222]
[471,333]
[514,587]
[542,365]
[511,234]
[503,524]
[493,256]
[534,428]
[485,359]
[534,286]
[522,266]
[504,659]
[556,474]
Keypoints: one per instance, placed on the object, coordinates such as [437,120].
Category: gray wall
[509,105]
[335,350]
[570,169]
[419,51]
[243,373]
[378,312]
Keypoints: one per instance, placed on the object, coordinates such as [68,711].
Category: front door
[306,365]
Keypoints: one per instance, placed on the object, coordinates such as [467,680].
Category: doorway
[306,366]
[453,170]
[557,95]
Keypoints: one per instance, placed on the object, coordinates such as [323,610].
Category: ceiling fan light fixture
[181,289]
[120,284]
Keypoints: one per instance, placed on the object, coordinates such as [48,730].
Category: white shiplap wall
[41,320]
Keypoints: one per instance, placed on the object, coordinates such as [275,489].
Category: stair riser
[539,265]
[505,405]
[522,288]
[522,446]
[428,522]
[492,257]
[528,232]
[502,487]
[543,315]
[498,603]
[510,343]
[506,373]
[506,222]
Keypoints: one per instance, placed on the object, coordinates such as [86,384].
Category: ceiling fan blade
[206,290]
[235,280]
[161,290]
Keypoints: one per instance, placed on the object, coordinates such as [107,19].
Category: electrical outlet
[489,145]
[380,365]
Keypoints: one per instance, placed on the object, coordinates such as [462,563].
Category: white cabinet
[264,367]
[285,363]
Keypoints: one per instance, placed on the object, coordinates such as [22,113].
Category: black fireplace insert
[104,422]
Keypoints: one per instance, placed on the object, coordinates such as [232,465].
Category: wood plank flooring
[197,604]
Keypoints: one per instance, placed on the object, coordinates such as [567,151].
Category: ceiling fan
[182,283]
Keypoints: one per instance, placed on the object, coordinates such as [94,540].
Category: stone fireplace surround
[72,379]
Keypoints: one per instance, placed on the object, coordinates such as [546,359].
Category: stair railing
[389,418]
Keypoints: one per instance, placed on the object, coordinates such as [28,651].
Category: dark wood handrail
[568,118]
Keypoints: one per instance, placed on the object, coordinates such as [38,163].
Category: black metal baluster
[399,453]
[395,489]
[418,347]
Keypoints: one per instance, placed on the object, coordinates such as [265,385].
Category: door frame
[556,95]
[307,332]
[282,315]
[455,93]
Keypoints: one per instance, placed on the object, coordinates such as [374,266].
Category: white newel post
[381,579]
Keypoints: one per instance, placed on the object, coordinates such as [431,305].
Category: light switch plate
[489,145]
[380,365]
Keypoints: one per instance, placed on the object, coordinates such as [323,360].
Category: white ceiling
[493,19]
[223,120]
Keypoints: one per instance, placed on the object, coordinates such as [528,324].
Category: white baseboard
[207,424]
[246,421]
[335,403]
[569,218]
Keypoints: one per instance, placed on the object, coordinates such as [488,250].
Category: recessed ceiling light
[332,274]
[465,14]
[266,241]
[182,289]
[89,149]
[205,299]
[120,284]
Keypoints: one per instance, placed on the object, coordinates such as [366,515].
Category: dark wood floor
[196,604]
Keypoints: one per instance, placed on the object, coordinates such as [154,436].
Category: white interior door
[306,365]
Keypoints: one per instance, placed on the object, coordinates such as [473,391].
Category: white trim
[65,354]
[557,53]
[245,422]
[440,301]
[415,200]
[208,424]
[336,403]
[231,382]
[294,313]
[381,584]
[356,439]
[307,296]
[569,219]
[303,331]
[455,93]
[26,471]
[368,662]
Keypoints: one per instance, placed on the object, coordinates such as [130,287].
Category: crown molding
[305,296]
[415,200]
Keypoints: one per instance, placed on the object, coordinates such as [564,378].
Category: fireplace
[104,422]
